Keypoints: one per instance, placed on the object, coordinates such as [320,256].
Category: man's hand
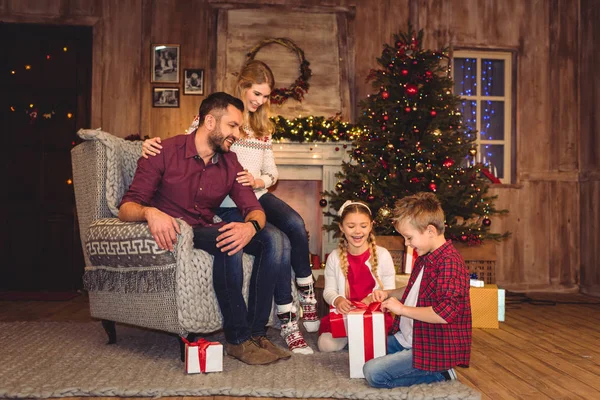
[163,228]
[343,305]
[235,236]
[392,304]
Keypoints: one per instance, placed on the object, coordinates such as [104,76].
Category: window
[483,79]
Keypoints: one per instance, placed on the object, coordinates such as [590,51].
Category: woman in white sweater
[255,153]
[354,271]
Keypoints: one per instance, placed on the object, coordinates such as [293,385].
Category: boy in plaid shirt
[432,329]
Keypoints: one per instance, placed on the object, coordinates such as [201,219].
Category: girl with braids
[355,270]
[255,152]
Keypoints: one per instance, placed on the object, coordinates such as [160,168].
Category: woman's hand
[246,179]
[343,305]
[380,295]
[151,147]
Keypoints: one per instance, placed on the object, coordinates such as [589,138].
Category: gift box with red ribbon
[366,336]
[203,356]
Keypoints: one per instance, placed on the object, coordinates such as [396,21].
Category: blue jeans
[267,247]
[290,224]
[395,369]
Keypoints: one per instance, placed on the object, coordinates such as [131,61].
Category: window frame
[509,58]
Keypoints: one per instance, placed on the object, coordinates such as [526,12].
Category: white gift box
[477,283]
[203,356]
[360,348]
[501,302]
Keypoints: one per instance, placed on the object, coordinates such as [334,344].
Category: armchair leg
[190,337]
[111,331]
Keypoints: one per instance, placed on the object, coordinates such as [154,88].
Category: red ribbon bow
[338,328]
[202,345]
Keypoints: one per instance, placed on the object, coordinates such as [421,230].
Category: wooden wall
[553,202]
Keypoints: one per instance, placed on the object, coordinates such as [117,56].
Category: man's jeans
[267,247]
[283,288]
[395,369]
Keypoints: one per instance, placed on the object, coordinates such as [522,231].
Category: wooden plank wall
[553,202]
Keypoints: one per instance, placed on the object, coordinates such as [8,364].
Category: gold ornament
[437,132]
[473,152]
[420,168]
[384,212]
[390,147]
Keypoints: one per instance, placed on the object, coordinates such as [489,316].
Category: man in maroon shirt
[189,179]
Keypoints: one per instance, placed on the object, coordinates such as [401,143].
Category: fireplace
[305,170]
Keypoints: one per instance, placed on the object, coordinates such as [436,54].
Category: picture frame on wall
[165,97]
[165,63]
[193,81]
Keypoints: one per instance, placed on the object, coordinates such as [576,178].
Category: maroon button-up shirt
[445,287]
[177,182]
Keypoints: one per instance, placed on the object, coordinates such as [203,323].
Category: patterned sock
[308,301]
[290,332]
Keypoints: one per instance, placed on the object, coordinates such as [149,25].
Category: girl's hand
[368,300]
[342,305]
[151,147]
[246,179]
[392,304]
[380,295]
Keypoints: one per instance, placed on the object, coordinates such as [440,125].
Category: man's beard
[216,141]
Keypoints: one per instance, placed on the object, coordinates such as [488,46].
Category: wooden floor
[542,351]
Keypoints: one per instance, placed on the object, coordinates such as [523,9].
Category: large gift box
[366,337]
[203,356]
[484,306]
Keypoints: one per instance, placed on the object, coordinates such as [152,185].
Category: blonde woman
[255,153]
[355,270]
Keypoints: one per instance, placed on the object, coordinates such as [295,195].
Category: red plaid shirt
[445,287]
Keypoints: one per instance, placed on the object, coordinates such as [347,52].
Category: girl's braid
[343,248]
[374,259]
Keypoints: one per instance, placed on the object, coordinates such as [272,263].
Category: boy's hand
[343,305]
[392,304]
[380,295]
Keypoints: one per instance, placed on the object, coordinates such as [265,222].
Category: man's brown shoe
[266,344]
[250,353]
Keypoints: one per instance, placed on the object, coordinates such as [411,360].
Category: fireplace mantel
[313,161]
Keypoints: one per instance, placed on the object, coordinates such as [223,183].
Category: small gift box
[203,356]
[501,303]
[366,337]
[484,306]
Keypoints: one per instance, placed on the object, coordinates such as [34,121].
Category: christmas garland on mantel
[314,129]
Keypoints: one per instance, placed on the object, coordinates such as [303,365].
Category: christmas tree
[414,140]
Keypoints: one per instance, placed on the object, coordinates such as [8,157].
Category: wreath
[300,86]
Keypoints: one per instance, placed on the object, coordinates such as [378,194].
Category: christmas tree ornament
[385,117]
[389,147]
[473,152]
[370,198]
[464,238]
[411,89]
[385,95]
[448,162]
[433,187]
[433,113]
[384,212]
[323,203]
[407,109]
[486,222]
[404,72]
[437,132]
[339,186]
[420,167]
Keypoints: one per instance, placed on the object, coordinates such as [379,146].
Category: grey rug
[60,359]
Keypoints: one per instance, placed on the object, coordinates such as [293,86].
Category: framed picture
[165,63]
[165,97]
[193,81]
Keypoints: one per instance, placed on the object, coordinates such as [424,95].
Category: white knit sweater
[255,155]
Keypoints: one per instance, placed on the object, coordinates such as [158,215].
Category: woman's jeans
[269,251]
[395,369]
[285,220]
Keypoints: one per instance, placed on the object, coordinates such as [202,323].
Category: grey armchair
[129,279]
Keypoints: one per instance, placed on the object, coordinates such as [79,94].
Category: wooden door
[45,87]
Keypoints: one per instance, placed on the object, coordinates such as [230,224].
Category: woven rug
[61,359]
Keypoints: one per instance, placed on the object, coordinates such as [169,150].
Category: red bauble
[404,72]
[385,117]
[383,127]
[433,113]
[433,187]
[414,180]
[411,89]
[399,44]
[407,109]
[464,238]
[448,162]
[487,222]
[370,198]
[428,74]
[323,202]
[363,190]
[385,95]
